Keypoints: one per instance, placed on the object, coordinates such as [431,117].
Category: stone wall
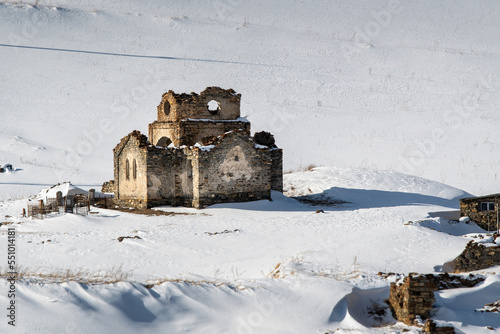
[471,207]
[432,328]
[170,177]
[477,256]
[234,171]
[189,132]
[158,130]
[174,107]
[108,187]
[415,295]
[277,169]
[130,186]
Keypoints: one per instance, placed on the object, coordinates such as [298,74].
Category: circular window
[213,107]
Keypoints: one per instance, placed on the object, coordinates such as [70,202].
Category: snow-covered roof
[239,119]
[204,147]
[66,188]
[478,198]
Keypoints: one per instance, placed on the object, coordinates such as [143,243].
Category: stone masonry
[482,210]
[414,297]
[432,328]
[185,119]
[108,186]
[477,256]
[199,153]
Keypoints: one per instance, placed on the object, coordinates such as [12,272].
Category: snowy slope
[410,87]
[258,267]
[400,97]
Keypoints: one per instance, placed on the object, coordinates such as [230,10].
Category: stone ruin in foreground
[199,153]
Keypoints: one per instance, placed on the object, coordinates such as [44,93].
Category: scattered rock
[6,168]
[387,275]
[223,232]
[491,307]
[120,239]
[319,199]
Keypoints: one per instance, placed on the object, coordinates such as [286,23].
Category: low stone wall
[431,328]
[232,198]
[108,186]
[477,256]
[131,203]
[415,295]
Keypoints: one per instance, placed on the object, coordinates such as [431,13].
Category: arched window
[166,108]
[134,169]
[127,170]
[164,142]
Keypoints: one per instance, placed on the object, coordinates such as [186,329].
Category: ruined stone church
[199,153]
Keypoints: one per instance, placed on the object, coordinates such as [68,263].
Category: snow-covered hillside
[398,99]
[411,87]
[258,267]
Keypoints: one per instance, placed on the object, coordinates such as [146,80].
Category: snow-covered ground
[400,96]
[259,267]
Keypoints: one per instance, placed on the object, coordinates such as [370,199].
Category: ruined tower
[185,119]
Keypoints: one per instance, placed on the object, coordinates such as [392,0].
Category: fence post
[91,196]
[498,231]
[59,198]
[41,208]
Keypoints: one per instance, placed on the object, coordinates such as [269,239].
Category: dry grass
[277,272]
[308,168]
[151,212]
[85,276]
[108,276]
[151,283]
[280,270]
[31,3]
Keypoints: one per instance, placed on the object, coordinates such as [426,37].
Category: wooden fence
[103,202]
[40,209]
[77,204]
